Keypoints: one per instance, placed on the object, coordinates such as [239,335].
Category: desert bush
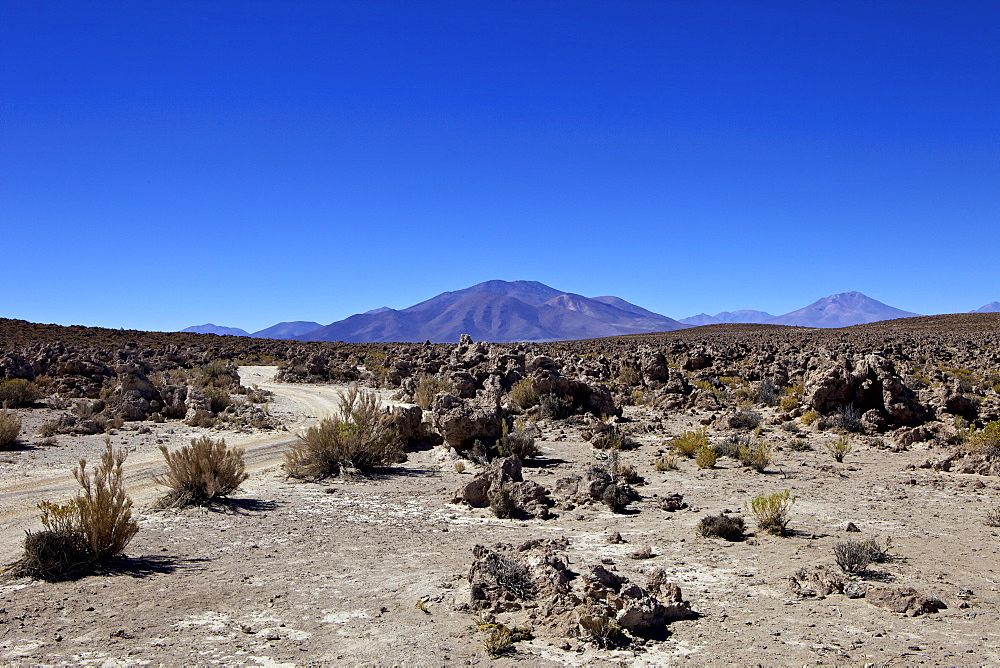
[986,441]
[519,442]
[219,398]
[612,438]
[355,437]
[502,502]
[852,556]
[427,388]
[730,446]
[847,418]
[499,640]
[690,442]
[523,394]
[790,427]
[706,458]
[666,462]
[839,448]
[767,393]
[723,525]
[799,445]
[788,403]
[18,392]
[617,496]
[630,376]
[554,407]
[992,517]
[810,416]
[10,428]
[756,456]
[770,511]
[105,510]
[217,373]
[511,575]
[201,473]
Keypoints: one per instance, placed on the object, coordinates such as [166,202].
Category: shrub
[10,428]
[617,496]
[519,442]
[767,393]
[201,473]
[356,436]
[810,416]
[667,462]
[555,407]
[502,502]
[986,441]
[523,394]
[757,456]
[788,403]
[847,418]
[730,527]
[218,398]
[746,419]
[730,446]
[839,448]
[18,392]
[427,388]
[105,509]
[992,518]
[799,445]
[630,376]
[770,511]
[690,442]
[499,640]
[706,458]
[612,438]
[852,556]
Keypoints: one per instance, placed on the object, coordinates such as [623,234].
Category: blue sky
[169,163]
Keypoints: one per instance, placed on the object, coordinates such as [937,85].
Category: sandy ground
[331,573]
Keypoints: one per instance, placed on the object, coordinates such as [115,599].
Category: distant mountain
[287,330]
[499,311]
[842,310]
[376,311]
[743,315]
[209,328]
[992,307]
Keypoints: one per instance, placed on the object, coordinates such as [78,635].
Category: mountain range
[505,311]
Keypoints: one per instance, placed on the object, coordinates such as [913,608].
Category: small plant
[706,458]
[992,518]
[201,473]
[459,467]
[502,502]
[767,393]
[630,376]
[617,496]
[427,388]
[839,448]
[666,462]
[847,418]
[770,511]
[519,443]
[218,398]
[746,419]
[852,556]
[499,640]
[355,437]
[723,525]
[730,446]
[690,442]
[105,510]
[799,445]
[10,428]
[554,407]
[18,392]
[757,456]
[810,416]
[523,394]
[788,403]
[986,441]
[612,438]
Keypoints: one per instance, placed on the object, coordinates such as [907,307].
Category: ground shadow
[242,506]
[148,565]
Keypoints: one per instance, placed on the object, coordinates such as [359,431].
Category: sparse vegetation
[839,448]
[427,388]
[799,445]
[770,511]
[666,462]
[499,640]
[992,518]
[690,442]
[810,416]
[105,510]
[10,428]
[723,525]
[854,556]
[554,407]
[202,472]
[706,458]
[18,392]
[756,456]
[523,394]
[986,441]
[355,437]
[520,442]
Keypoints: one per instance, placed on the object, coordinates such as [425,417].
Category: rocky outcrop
[503,476]
[867,384]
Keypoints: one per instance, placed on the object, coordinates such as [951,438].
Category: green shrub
[986,441]
[799,445]
[427,388]
[218,398]
[757,456]
[355,437]
[520,442]
[10,428]
[730,527]
[788,403]
[630,376]
[18,392]
[523,394]
[770,511]
[690,442]
[555,407]
[810,416]
[706,458]
[201,473]
[839,448]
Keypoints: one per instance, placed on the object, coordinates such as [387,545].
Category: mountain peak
[842,310]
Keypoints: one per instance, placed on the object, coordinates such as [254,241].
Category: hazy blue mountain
[287,330]
[992,307]
[499,311]
[209,328]
[743,315]
[841,310]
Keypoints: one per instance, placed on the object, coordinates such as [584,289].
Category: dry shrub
[667,462]
[356,436]
[10,428]
[706,458]
[690,442]
[756,457]
[810,416]
[523,394]
[992,517]
[839,448]
[502,502]
[18,392]
[201,473]
[427,388]
[771,511]
[854,556]
[219,398]
[520,442]
[499,640]
[555,407]
[987,440]
[105,509]
[730,527]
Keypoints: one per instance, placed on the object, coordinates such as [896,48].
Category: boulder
[905,600]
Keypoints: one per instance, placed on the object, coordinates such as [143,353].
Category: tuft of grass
[667,462]
[18,392]
[788,403]
[986,441]
[427,388]
[523,394]
[810,416]
[355,437]
[520,442]
[706,458]
[201,473]
[839,448]
[799,445]
[730,527]
[10,428]
[756,456]
[854,556]
[499,640]
[690,442]
[105,510]
[770,511]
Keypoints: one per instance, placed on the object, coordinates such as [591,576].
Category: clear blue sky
[168,163]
